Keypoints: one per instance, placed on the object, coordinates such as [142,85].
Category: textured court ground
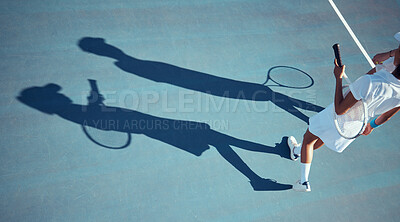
[170,63]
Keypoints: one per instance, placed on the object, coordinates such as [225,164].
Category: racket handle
[337,54]
[93,85]
[95,97]
[339,60]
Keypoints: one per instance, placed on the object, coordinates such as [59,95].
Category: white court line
[352,34]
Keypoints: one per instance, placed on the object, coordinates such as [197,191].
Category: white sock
[305,171]
[297,149]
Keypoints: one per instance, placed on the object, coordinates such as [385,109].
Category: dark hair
[396,72]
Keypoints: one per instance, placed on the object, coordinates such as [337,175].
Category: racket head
[352,123]
[107,138]
[280,84]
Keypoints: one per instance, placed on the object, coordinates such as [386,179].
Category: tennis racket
[352,123]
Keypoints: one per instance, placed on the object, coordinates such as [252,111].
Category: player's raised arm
[341,104]
[380,57]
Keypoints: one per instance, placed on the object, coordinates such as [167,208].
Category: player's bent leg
[294,148]
[318,144]
[307,148]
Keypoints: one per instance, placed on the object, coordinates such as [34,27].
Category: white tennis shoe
[292,143]
[302,187]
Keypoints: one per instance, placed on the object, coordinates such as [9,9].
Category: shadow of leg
[280,148]
[269,185]
[258,183]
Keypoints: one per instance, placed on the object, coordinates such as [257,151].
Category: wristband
[373,124]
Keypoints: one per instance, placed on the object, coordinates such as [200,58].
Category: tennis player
[381,94]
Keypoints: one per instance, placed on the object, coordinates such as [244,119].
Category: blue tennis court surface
[157,111]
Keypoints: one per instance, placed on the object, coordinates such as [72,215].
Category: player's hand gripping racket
[351,124]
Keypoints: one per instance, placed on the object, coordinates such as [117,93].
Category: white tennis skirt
[322,125]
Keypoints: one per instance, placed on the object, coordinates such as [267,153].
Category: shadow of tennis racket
[289,77]
[100,132]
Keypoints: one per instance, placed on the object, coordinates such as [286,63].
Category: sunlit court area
[184,110]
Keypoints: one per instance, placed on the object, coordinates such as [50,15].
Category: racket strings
[352,122]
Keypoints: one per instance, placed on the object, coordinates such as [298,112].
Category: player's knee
[307,139]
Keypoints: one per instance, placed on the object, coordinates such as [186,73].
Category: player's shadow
[192,137]
[194,80]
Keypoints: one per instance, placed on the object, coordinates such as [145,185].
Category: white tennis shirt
[380,92]
[388,64]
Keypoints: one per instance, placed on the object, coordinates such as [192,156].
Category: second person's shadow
[197,81]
